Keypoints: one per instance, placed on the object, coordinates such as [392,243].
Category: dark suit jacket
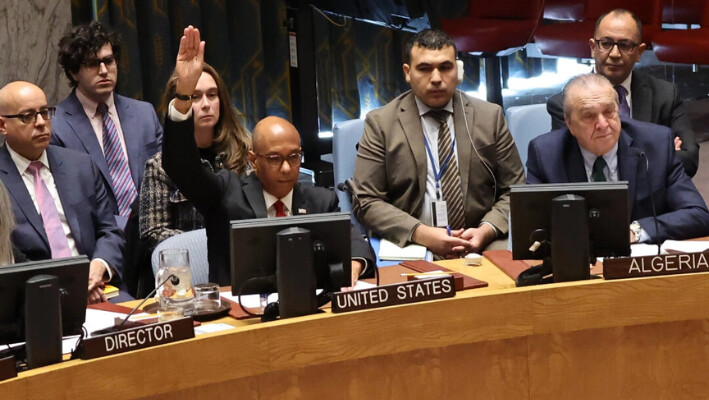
[391,167]
[225,196]
[141,130]
[87,206]
[555,157]
[656,101]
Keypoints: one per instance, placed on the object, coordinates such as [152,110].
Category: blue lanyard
[438,174]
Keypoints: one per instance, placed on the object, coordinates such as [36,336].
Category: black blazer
[225,196]
[654,100]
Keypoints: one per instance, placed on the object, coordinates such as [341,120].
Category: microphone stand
[172,278]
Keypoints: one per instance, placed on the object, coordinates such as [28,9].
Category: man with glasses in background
[272,190]
[59,200]
[119,133]
[616,46]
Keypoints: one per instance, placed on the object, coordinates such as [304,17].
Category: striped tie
[450,181]
[122,182]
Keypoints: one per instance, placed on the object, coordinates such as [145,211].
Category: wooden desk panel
[640,338]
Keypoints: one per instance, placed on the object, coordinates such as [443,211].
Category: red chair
[563,10]
[685,46]
[682,11]
[498,27]
[493,29]
[571,39]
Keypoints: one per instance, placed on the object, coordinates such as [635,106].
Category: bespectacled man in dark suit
[616,46]
[271,190]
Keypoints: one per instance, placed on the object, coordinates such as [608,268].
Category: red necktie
[280,212]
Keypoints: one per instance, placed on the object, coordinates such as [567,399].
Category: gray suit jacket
[656,101]
[391,167]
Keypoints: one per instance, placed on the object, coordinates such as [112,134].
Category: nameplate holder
[7,368]
[394,294]
[148,335]
[663,264]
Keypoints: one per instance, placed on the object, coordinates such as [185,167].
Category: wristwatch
[636,229]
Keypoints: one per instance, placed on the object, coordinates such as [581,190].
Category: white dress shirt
[96,119]
[46,174]
[431,126]
[287,201]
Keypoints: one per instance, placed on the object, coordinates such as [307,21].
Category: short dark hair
[83,42]
[432,39]
[618,12]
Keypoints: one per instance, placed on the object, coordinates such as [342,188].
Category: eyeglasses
[607,45]
[276,160]
[30,117]
[94,63]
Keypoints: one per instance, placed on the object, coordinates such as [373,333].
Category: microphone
[346,186]
[652,200]
[172,278]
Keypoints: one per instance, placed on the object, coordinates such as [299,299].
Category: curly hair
[83,42]
[231,139]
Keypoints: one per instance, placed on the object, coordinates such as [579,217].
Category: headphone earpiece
[461,70]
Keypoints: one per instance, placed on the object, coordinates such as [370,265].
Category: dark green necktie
[597,173]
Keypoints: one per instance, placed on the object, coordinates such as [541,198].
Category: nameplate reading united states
[137,338]
[664,264]
[391,295]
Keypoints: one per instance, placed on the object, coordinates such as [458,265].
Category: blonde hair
[7,224]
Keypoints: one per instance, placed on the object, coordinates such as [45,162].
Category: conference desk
[645,338]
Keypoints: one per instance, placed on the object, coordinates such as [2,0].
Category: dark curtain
[246,43]
[358,64]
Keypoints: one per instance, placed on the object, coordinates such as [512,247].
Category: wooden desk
[643,338]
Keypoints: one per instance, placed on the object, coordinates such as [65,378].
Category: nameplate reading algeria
[137,338]
[391,295]
[664,264]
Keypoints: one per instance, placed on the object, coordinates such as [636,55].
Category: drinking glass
[207,297]
[175,262]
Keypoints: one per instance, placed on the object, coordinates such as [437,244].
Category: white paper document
[390,251]
[685,246]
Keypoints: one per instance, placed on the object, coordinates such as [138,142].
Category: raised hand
[190,59]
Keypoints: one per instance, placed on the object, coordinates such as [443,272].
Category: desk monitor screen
[253,250]
[73,274]
[608,222]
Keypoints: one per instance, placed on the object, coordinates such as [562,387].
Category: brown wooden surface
[631,339]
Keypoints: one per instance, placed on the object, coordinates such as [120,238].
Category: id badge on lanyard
[439,208]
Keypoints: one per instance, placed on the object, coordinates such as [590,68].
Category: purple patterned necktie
[122,182]
[624,108]
[50,216]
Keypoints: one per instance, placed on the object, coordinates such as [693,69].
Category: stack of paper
[390,251]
